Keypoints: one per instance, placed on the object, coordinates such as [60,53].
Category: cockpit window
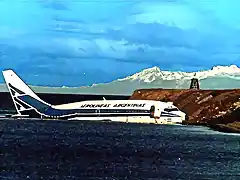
[171,109]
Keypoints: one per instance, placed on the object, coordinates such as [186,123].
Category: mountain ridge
[170,75]
[218,77]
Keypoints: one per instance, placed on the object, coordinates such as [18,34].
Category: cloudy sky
[80,42]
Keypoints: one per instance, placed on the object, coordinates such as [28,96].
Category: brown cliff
[208,107]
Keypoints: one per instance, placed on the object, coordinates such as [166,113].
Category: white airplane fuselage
[27,103]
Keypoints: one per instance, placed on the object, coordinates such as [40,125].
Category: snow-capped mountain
[154,73]
[219,77]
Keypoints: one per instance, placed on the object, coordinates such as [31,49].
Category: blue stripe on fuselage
[49,111]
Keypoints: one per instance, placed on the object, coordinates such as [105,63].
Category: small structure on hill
[194,84]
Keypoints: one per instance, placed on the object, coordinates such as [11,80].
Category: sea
[84,150]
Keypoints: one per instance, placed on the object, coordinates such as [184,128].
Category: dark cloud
[51,39]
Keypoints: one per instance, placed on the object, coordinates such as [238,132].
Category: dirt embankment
[215,108]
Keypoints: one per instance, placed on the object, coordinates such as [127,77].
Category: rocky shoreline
[228,128]
[217,109]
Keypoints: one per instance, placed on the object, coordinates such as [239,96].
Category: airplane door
[152,111]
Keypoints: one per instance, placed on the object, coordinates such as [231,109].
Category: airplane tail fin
[23,96]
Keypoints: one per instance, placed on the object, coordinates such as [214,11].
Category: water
[61,150]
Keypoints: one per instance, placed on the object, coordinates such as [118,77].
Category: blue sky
[80,42]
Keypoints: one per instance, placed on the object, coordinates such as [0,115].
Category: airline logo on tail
[24,99]
[17,98]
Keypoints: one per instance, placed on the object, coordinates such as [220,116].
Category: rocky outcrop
[208,107]
[230,127]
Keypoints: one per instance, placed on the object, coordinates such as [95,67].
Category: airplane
[28,104]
